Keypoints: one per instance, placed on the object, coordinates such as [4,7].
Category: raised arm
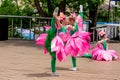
[57,21]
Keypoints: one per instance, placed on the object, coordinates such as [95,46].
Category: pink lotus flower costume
[77,42]
[101,52]
[98,53]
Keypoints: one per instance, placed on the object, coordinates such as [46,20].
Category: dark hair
[102,35]
[62,20]
[71,18]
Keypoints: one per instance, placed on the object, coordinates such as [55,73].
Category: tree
[18,10]
[8,7]
[93,12]
[63,6]
[39,8]
[46,7]
[102,15]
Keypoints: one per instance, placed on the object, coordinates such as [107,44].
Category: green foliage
[27,10]
[49,5]
[8,8]
[102,15]
[94,3]
[26,7]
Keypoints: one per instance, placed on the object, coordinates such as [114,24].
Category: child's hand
[71,27]
[68,26]
[108,40]
[100,42]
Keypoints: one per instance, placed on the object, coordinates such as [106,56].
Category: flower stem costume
[78,43]
[53,43]
[50,35]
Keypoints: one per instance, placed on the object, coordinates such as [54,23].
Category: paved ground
[23,60]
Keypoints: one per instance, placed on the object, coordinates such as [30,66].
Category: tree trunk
[17,7]
[62,6]
[93,18]
[39,8]
[50,8]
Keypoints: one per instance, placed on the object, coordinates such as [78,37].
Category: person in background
[101,52]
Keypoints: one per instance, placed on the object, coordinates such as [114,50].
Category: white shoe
[56,10]
[54,74]
[73,69]
[78,55]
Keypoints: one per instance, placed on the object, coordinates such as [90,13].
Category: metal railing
[112,31]
[29,23]
[35,24]
[95,34]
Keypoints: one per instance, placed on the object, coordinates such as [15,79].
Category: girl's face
[103,36]
[65,21]
[71,22]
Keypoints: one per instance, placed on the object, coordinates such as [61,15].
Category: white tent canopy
[105,5]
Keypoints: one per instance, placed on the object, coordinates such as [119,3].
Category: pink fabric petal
[56,43]
[45,51]
[54,46]
[76,45]
[84,35]
[64,36]
[74,52]
[113,53]
[47,27]
[41,39]
[79,45]
[60,54]
[68,47]
[107,56]
[100,54]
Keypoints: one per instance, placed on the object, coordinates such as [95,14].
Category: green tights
[74,61]
[53,62]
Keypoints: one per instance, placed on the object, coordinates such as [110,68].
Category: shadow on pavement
[39,75]
[61,68]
